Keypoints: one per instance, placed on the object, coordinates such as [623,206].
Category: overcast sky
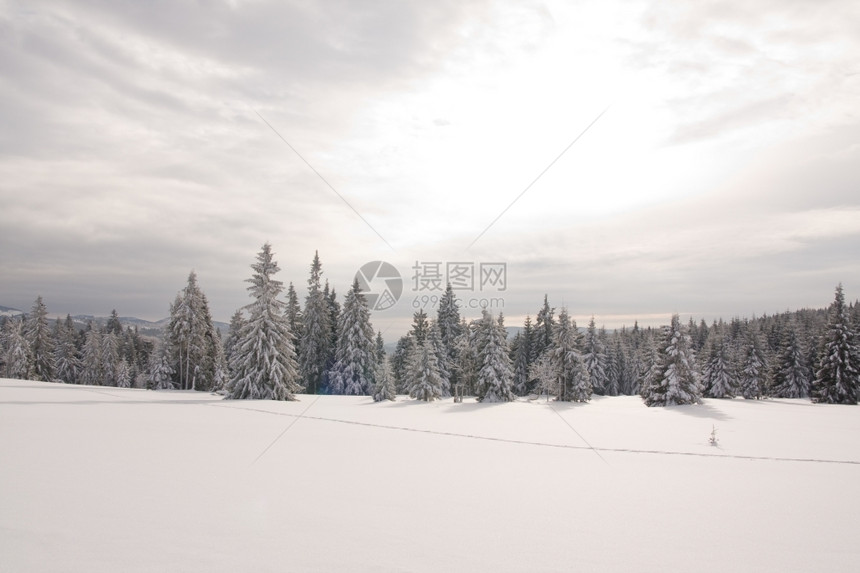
[723,178]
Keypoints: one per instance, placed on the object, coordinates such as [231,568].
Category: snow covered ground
[104,479]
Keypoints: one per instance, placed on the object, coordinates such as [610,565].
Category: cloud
[132,151]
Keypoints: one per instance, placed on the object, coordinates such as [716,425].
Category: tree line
[276,347]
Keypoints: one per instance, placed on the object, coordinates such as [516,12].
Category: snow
[107,479]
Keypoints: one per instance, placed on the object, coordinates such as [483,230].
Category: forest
[277,347]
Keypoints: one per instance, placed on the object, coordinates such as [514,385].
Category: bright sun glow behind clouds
[464,143]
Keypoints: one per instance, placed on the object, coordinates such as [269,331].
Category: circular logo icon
[380,284]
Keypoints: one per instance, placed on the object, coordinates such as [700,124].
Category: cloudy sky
[722,178]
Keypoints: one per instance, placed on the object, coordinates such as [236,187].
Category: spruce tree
[650,365]
[753,373]
[160,371]
[425,382]
[790,375]
[123,374]
[565,363]
[264,361]
[16,350]
[315,340]
[613,370]
[495,377]
[294,313]
[434,338]
[595,359]
[334,311]
[624,351]
[420,327]
[467,365]
[400,364]
[717,378]
[110,358]
[677,380]
[544,326]
[448,322]
[193,338]
[40,339]
[92,368]
[66,358]
[838,376]
[237,321]
[523,383]
[384,388]
[354,369]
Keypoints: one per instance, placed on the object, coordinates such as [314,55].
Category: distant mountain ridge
[7,311]
[145,327]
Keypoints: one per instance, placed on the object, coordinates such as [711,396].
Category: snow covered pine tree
[496,376]
[354,370]
[837,380]
[264,359]
[677,381]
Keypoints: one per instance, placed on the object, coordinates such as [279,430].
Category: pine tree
[566,365]
[838,377]
[613,373]
[161,372]
[544,327]
[434,339]
[420,327]
[123,374]
[649,373]
[635,365]
[383,389]
[264,361]
[193,338]
[38,334]
[467,365]
[448,322]
[625,352]
[717,378]
[315,340]
[677,381]
[334,311]
[522,350]
[425,382]
[790,375]
[400,364]
[16,350]
[237,321]
[354,369]
[753,367]
[495,377]
[110,358]
[221,374]
[92,368]
[294,312]
[595,359]
[66,358]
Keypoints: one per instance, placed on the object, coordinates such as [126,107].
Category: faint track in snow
[281,435]
[533,443]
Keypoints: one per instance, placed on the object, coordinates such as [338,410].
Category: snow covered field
[105,479]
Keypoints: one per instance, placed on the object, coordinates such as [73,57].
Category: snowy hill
[145,327]
[104,479]
[6,311]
